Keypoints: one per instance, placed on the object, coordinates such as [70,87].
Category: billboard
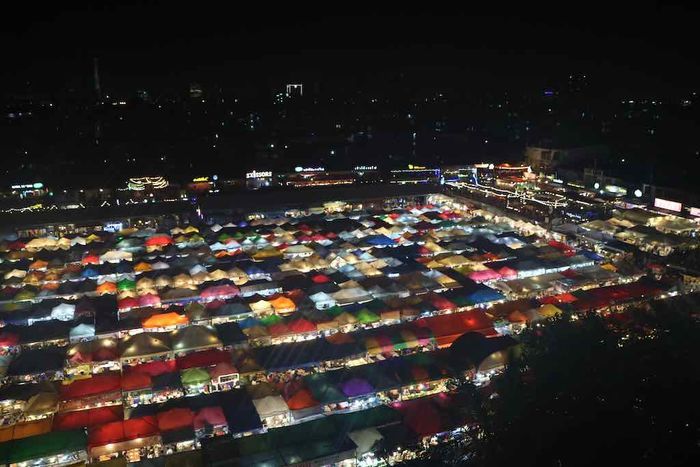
[669,205]
[695,212]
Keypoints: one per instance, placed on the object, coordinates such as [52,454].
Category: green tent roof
[37,447]
[269,320]
[365,316]
[126,284]
[194,376]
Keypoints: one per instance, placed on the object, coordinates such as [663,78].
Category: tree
[586,392]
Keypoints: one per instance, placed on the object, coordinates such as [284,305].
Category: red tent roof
[154,368]
[213,416]
[135,381]
[175,419]
[87,418]
[320,279]
[447,328]
[8,339]
[204,358]
[421,416]
[301,325]
[302,399]
[91,259]
[116,432]
[159,240]
[278,329]
[98,384]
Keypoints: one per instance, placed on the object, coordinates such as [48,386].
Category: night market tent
[175,418]
[115,256]
[144,344]
[209,416]
[42,446]
[204,358]
[82,331]
[37,361]
[447,328]
[41,404]
[87,418]
[97,384]
[149,299]
[283,305]
[63,312]
[121,431]
[216,291]
[351,295]
[484,275]
[164,320]
[25,429]
[271,406]
[179,293]
[365,439]
[194,337]
[195,377]
[543,312]
[322,300]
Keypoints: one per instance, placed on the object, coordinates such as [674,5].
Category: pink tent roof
[484,275]
[226,290]
[213,416]
[149,299]
[222,369]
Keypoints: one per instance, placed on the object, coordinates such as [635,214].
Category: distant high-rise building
[295,90]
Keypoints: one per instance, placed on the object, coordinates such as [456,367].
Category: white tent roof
[270,406]
[365,439]
[82,330]
[63,312]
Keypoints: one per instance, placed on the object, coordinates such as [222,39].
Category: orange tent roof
[143,267]
[106,287]
[164,320]
[283,305]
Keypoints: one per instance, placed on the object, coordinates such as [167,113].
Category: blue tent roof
[485,295]
[379,240]
[591,255]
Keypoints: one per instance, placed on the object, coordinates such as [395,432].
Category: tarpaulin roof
[203,359]
[194,337]
[143,344]
[212,416]
[87,418]
[119,431]
[42,446]
[174,419]
[97,384]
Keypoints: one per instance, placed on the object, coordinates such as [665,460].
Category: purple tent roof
[356,387]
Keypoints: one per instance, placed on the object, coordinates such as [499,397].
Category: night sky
[640,46]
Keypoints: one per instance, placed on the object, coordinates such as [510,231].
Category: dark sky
[641,44]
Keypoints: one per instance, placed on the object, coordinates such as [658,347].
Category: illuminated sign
[113,226]
[141,183]
[366,167]
[309,169]
[416,167]
[666,204]
[29,186]
[618,190]
[256,174]
[695,212]
[200,179]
